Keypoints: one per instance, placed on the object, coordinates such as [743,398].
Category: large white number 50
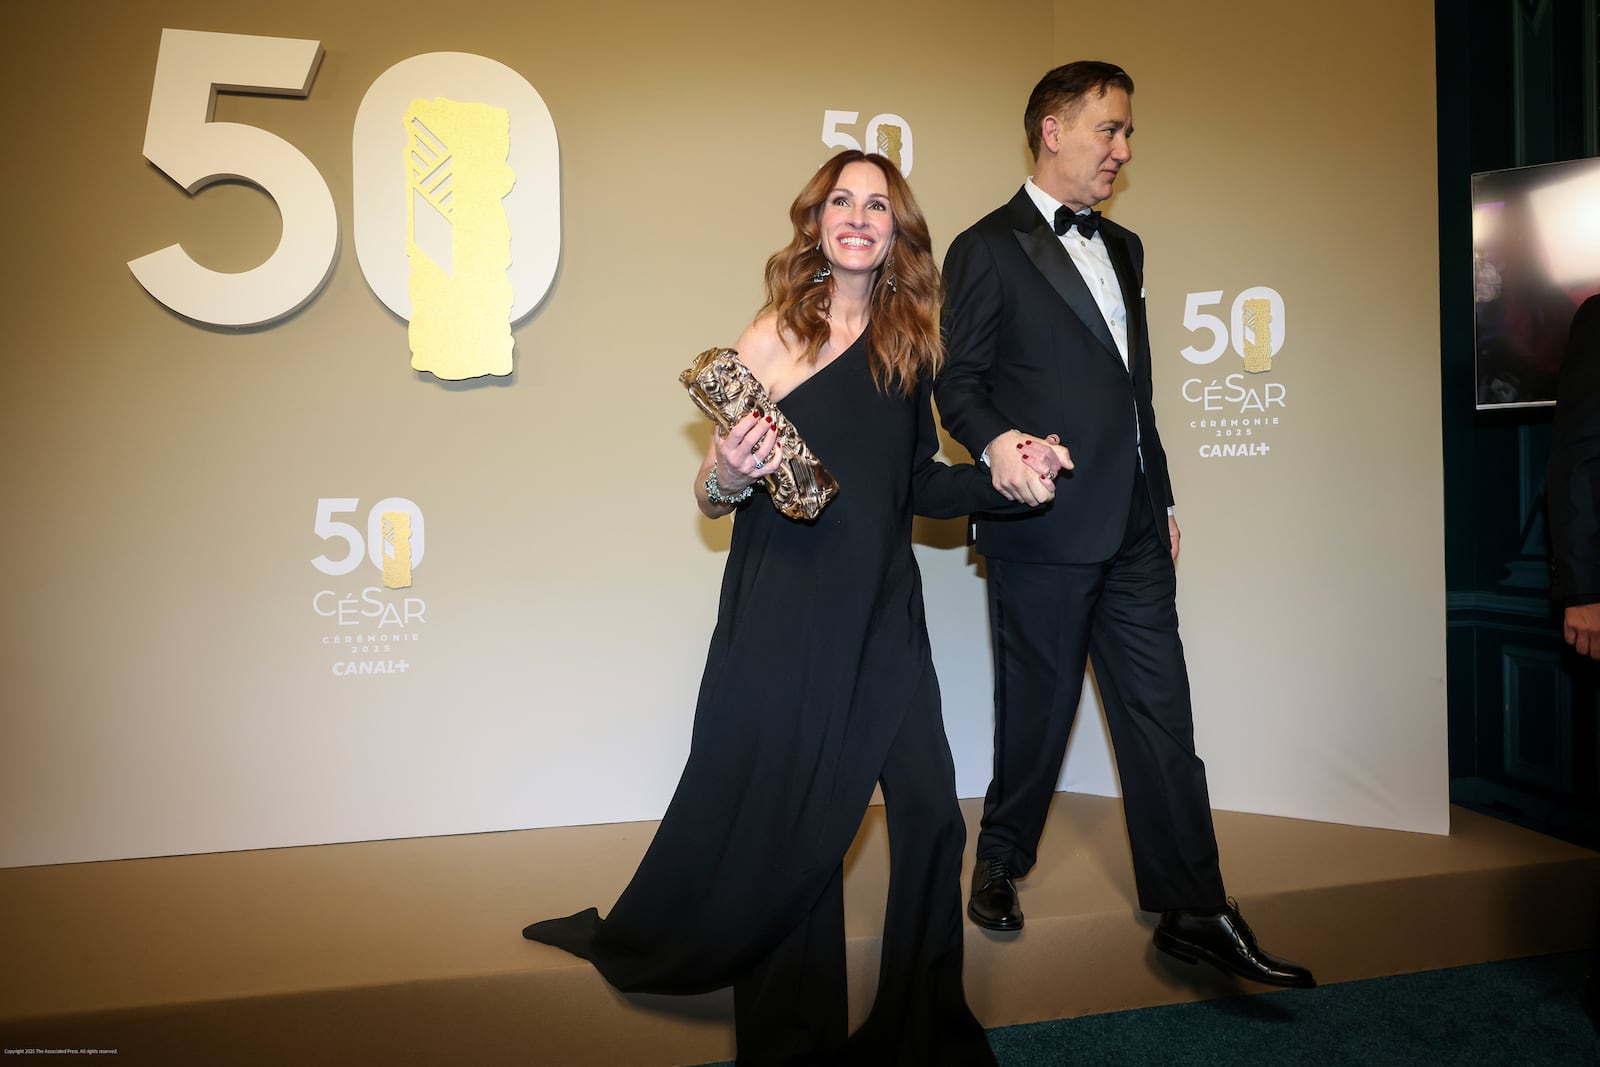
[181,139]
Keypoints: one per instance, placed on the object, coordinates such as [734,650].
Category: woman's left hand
[748,452]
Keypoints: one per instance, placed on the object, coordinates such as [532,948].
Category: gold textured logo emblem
[1257,319]
[397,550]
[458,239]
[890,138]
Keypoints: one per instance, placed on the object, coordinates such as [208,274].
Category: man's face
[1092,148]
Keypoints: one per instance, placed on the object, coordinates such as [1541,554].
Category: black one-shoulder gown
[742,884]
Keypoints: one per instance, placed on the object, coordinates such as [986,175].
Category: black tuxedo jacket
[1027,348]
[1573,479]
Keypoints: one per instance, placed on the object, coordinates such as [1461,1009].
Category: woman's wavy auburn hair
[905,317]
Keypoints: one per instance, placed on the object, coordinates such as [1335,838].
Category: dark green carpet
[1514,1012]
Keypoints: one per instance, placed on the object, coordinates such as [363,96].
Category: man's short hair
[1064,91]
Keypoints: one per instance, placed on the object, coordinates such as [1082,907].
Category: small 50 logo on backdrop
[457,222]
[1256,329]
[888,135]
[1236,415]
[371,622]
[395,542]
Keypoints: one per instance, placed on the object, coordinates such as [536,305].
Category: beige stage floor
[410,951]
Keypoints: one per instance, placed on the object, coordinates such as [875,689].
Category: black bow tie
[1066,219]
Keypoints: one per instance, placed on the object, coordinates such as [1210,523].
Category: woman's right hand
[747,452]
[1049,458]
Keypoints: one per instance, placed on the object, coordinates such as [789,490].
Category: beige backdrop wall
[170,686]
[1293,150]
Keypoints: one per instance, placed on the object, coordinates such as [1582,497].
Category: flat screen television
[1535,258]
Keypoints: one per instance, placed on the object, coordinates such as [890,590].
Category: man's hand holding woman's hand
[1024,468]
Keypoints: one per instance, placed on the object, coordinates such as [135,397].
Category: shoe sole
[1190,953]
[990,924]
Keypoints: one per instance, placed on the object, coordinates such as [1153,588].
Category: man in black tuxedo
[1572,485]
[1045,334]
[1572,490]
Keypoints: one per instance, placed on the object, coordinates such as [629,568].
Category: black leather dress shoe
[993,904]
[1226,941]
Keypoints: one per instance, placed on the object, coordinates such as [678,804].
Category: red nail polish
[758,413]
[1019,446]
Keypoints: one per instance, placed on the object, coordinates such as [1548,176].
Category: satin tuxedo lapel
[1043,248]
[1132,296]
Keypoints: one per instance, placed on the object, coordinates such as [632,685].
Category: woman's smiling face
[856,221]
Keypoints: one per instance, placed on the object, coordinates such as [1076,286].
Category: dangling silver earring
[822,273]
[888,276]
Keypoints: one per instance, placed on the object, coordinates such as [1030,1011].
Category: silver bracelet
[715,494]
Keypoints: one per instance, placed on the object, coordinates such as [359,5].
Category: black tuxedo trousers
[1046,621]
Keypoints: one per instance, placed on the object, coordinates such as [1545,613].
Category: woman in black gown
[819,683]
